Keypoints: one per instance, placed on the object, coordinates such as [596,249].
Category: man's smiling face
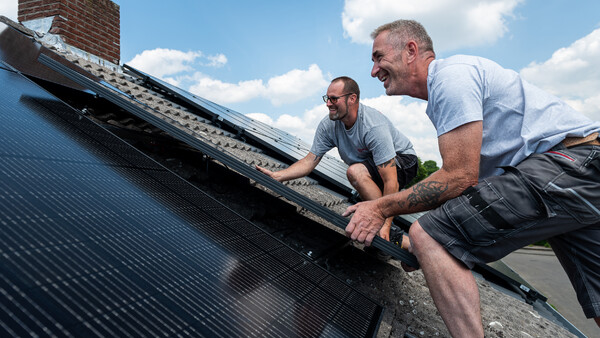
[339,109]
[388,65]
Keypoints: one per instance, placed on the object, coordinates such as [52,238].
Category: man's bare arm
[301,168]
[460,150]
[389,176]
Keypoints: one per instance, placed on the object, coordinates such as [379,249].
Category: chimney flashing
[90,28]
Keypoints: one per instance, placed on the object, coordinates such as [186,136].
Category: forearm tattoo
[389,163]
[426,194]
[317,158]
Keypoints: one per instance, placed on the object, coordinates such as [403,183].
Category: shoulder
[373,115]
[459,67]
[370,115]
[459,75]
[325,122]
[362,108]
[327,127]
[461,60]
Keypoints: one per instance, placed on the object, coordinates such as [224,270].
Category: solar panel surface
[98,239]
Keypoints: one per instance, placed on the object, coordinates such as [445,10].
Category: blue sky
[273,60]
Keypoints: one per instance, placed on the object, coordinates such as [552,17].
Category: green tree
[430,166]
[423,170]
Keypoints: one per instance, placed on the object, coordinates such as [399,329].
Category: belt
[591,139]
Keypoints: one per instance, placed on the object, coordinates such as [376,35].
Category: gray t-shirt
[519,119]
[371,136]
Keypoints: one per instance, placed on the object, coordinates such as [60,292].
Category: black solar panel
[96,239]
[285,144]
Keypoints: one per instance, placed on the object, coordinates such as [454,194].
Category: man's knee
[421,241]
[357,172]
[418,236]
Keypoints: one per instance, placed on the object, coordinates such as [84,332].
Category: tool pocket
[572,181]
[497,207]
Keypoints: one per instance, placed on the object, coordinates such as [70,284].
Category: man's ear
[412,50]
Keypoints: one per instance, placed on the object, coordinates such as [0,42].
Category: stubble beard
[337,116]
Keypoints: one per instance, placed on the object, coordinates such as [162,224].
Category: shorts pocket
[573,184]
[577,196]
[496,207]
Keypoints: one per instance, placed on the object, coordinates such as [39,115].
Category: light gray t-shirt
[372,135]
[519,119]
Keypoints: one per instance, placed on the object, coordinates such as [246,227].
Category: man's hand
[365,223]
[384,232]
[266,171]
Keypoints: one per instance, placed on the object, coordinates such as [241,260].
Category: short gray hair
[403,30]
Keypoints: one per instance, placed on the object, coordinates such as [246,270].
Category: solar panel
[285,144]
[96,239]
[195,140]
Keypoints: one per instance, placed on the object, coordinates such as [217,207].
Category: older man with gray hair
[519,166]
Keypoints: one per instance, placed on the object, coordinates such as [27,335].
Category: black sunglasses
[334,99]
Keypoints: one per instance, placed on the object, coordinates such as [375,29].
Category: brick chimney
[90,25]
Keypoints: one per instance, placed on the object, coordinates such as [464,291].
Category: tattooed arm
[460,150]
[301,168]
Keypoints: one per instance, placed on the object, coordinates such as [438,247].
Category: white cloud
[287,88]
[218,60]
[223,92]
[572,73]
[181,69]
[9,8]
[452,24]
[162,62]
[296,84]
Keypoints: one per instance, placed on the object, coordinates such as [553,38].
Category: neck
[350,119]
[421,74]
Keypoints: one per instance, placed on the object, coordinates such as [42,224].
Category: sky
[273,60]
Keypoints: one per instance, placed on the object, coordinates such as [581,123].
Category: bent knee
[419,238]
[357,172]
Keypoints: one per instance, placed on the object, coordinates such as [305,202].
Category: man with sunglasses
[381,160]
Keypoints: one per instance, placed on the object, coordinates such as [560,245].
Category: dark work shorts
[553,196]
[406,170]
